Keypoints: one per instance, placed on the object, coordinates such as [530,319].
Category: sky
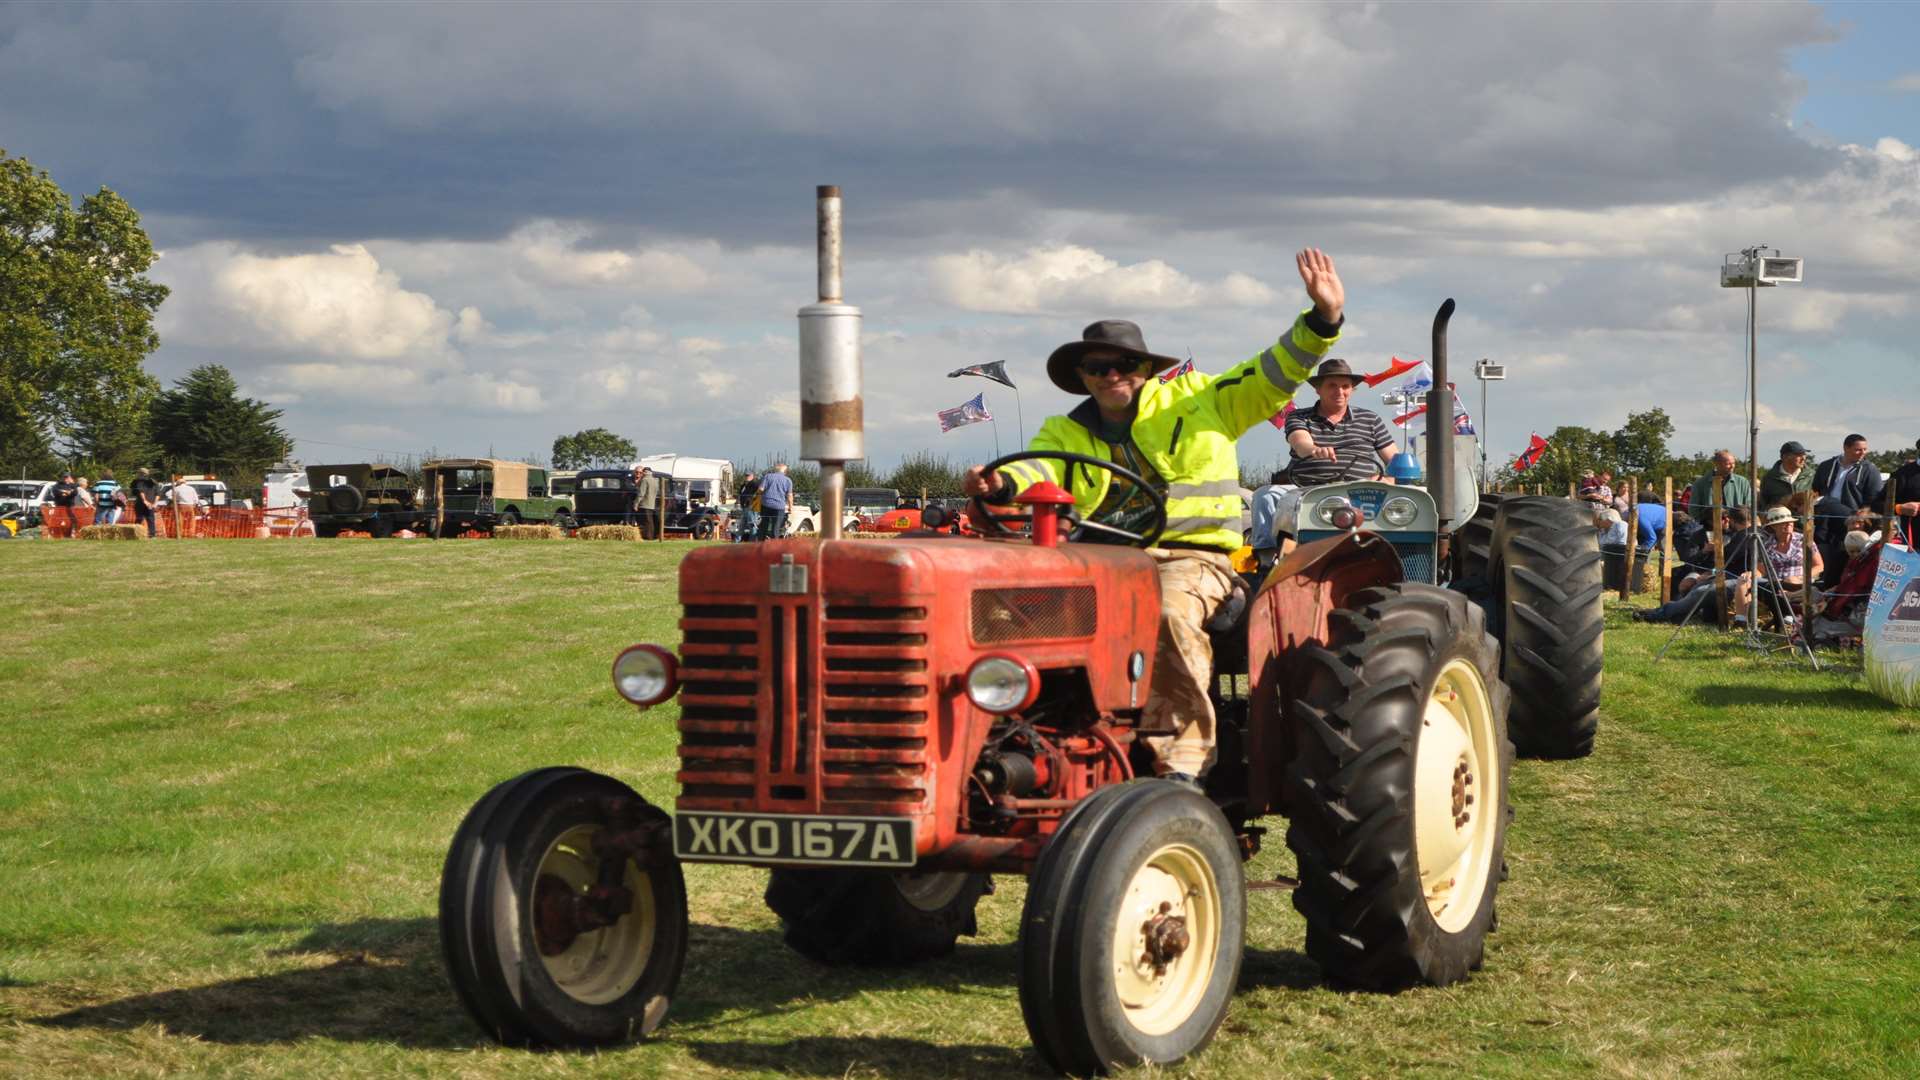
[469,229]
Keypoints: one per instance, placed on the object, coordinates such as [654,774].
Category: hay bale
[608,532]
[113,532]
[529,532]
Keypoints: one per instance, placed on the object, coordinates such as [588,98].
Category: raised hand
[1323,283]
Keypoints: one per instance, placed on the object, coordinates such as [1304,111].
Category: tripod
[1764,581]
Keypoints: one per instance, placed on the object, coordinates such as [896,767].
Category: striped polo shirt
[1357,438]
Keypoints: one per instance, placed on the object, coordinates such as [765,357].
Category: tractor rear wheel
[1472,571]
[1398,793]
[874,917]
[552,936]
[1550,620]
[1131,937]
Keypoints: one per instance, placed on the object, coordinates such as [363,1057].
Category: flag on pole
[971,412]
[1175,372]
[1462,423]
[1421,382]
[1531,455]
[1394,370]
[995,370]
[1407,411]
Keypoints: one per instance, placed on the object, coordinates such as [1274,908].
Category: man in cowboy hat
[1178,435]
[1335,440]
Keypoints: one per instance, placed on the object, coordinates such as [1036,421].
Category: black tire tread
[1351,784]
[857,917]
[1554,626]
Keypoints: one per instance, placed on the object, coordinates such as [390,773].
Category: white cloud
[1906,84]
[1070,278]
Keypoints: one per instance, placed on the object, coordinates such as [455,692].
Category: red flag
[1394,370]
[1407,414]
[1279,419]
[1172,373]
[1531,455]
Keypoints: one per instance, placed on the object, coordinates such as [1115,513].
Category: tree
[76,312]
[203,425]
[1640,446]
[924,469]
[594,448]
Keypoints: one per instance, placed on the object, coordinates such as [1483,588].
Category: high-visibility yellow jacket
[1186,429]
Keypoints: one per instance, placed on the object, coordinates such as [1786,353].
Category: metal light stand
[1486,371]
[1762,569]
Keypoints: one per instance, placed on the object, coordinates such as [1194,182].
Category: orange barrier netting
[203,522]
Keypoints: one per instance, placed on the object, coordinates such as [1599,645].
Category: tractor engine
[957,704]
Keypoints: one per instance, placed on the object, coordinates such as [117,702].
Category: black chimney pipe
[1440,425]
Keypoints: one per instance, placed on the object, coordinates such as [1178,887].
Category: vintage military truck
[882,726]
[480,493]
[377,499]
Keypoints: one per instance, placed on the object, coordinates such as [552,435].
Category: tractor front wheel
[1398,793]
[874,917]
[563,914]
[1131,937]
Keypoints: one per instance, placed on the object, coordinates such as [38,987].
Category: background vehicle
[212,490]
[561,484]
[480,493]
[882,725]
[603,497]
[284,489]
[377,499]
[867,506]
[25,497]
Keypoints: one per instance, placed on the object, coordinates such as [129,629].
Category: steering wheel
[1079,527]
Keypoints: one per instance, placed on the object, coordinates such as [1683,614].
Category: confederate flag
[1531,455]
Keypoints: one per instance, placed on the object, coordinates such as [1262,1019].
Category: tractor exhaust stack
[1440,478]
[832,430]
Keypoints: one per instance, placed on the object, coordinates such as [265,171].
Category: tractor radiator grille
[878,709]
[720,684]
[1001,615]
[1416,560]
[780,709]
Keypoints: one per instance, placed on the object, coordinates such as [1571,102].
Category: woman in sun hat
[1787,558]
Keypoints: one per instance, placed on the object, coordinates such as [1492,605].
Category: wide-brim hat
[1335,366]
[1113,335]
[1777,514]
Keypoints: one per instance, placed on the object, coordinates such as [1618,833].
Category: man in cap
[1336,441]
[1178,436]
[1788,477]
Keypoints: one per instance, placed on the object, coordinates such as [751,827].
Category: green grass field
[231,770]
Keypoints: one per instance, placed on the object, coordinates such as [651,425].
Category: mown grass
[231,770]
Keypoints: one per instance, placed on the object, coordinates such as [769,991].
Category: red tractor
[884,725]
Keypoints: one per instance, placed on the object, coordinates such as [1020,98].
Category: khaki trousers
[1178,722]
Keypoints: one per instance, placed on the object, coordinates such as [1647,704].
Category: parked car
[213,490]
[378,499]
[481,493]
[866,507]
[603,497]
[25,497]
[284,489]
[560,485]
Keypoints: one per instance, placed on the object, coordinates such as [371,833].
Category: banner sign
[1892,636]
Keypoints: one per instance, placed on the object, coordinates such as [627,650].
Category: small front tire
[552,936]
[874,917]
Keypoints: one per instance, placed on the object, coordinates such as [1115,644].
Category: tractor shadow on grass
[382,980]
[1846,697]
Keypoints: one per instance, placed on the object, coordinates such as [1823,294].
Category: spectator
[108,497]
[1589,483]
[61,497]
[1652,521]
[1275,506]
[1788,477]
[1843,484]
[1734,490]
[1906,488]
[186,504]
[1843,617]
[646,502]
[82,495]
[1335,441]
[749,502]
[1735,524]
[1787,566]
[1596,488]
[776,494]
[146,496]
[1613,529]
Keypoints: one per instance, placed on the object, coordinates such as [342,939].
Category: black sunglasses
[1125,365]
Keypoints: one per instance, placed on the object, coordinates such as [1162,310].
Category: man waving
[1179,436]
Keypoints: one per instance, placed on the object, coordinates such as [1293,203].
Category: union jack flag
[971,412]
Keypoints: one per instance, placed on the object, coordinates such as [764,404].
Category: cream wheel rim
[930,890]
[1456,795]
[1157,991]
[604,964]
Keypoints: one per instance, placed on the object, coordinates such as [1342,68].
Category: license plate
[699,836]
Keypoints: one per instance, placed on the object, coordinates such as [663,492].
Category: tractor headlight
[1399,512]
[646,674]
[1323,510]
[1002,684]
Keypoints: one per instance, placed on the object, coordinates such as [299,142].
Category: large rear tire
[552,937]
[1131,938]
[1551,625]
[874,917]
[1398,792]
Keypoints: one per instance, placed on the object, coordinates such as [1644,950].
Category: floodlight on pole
[1486,371]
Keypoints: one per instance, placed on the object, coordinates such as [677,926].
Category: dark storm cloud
[284,125]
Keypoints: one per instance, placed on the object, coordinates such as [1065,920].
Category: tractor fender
[1289,613]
